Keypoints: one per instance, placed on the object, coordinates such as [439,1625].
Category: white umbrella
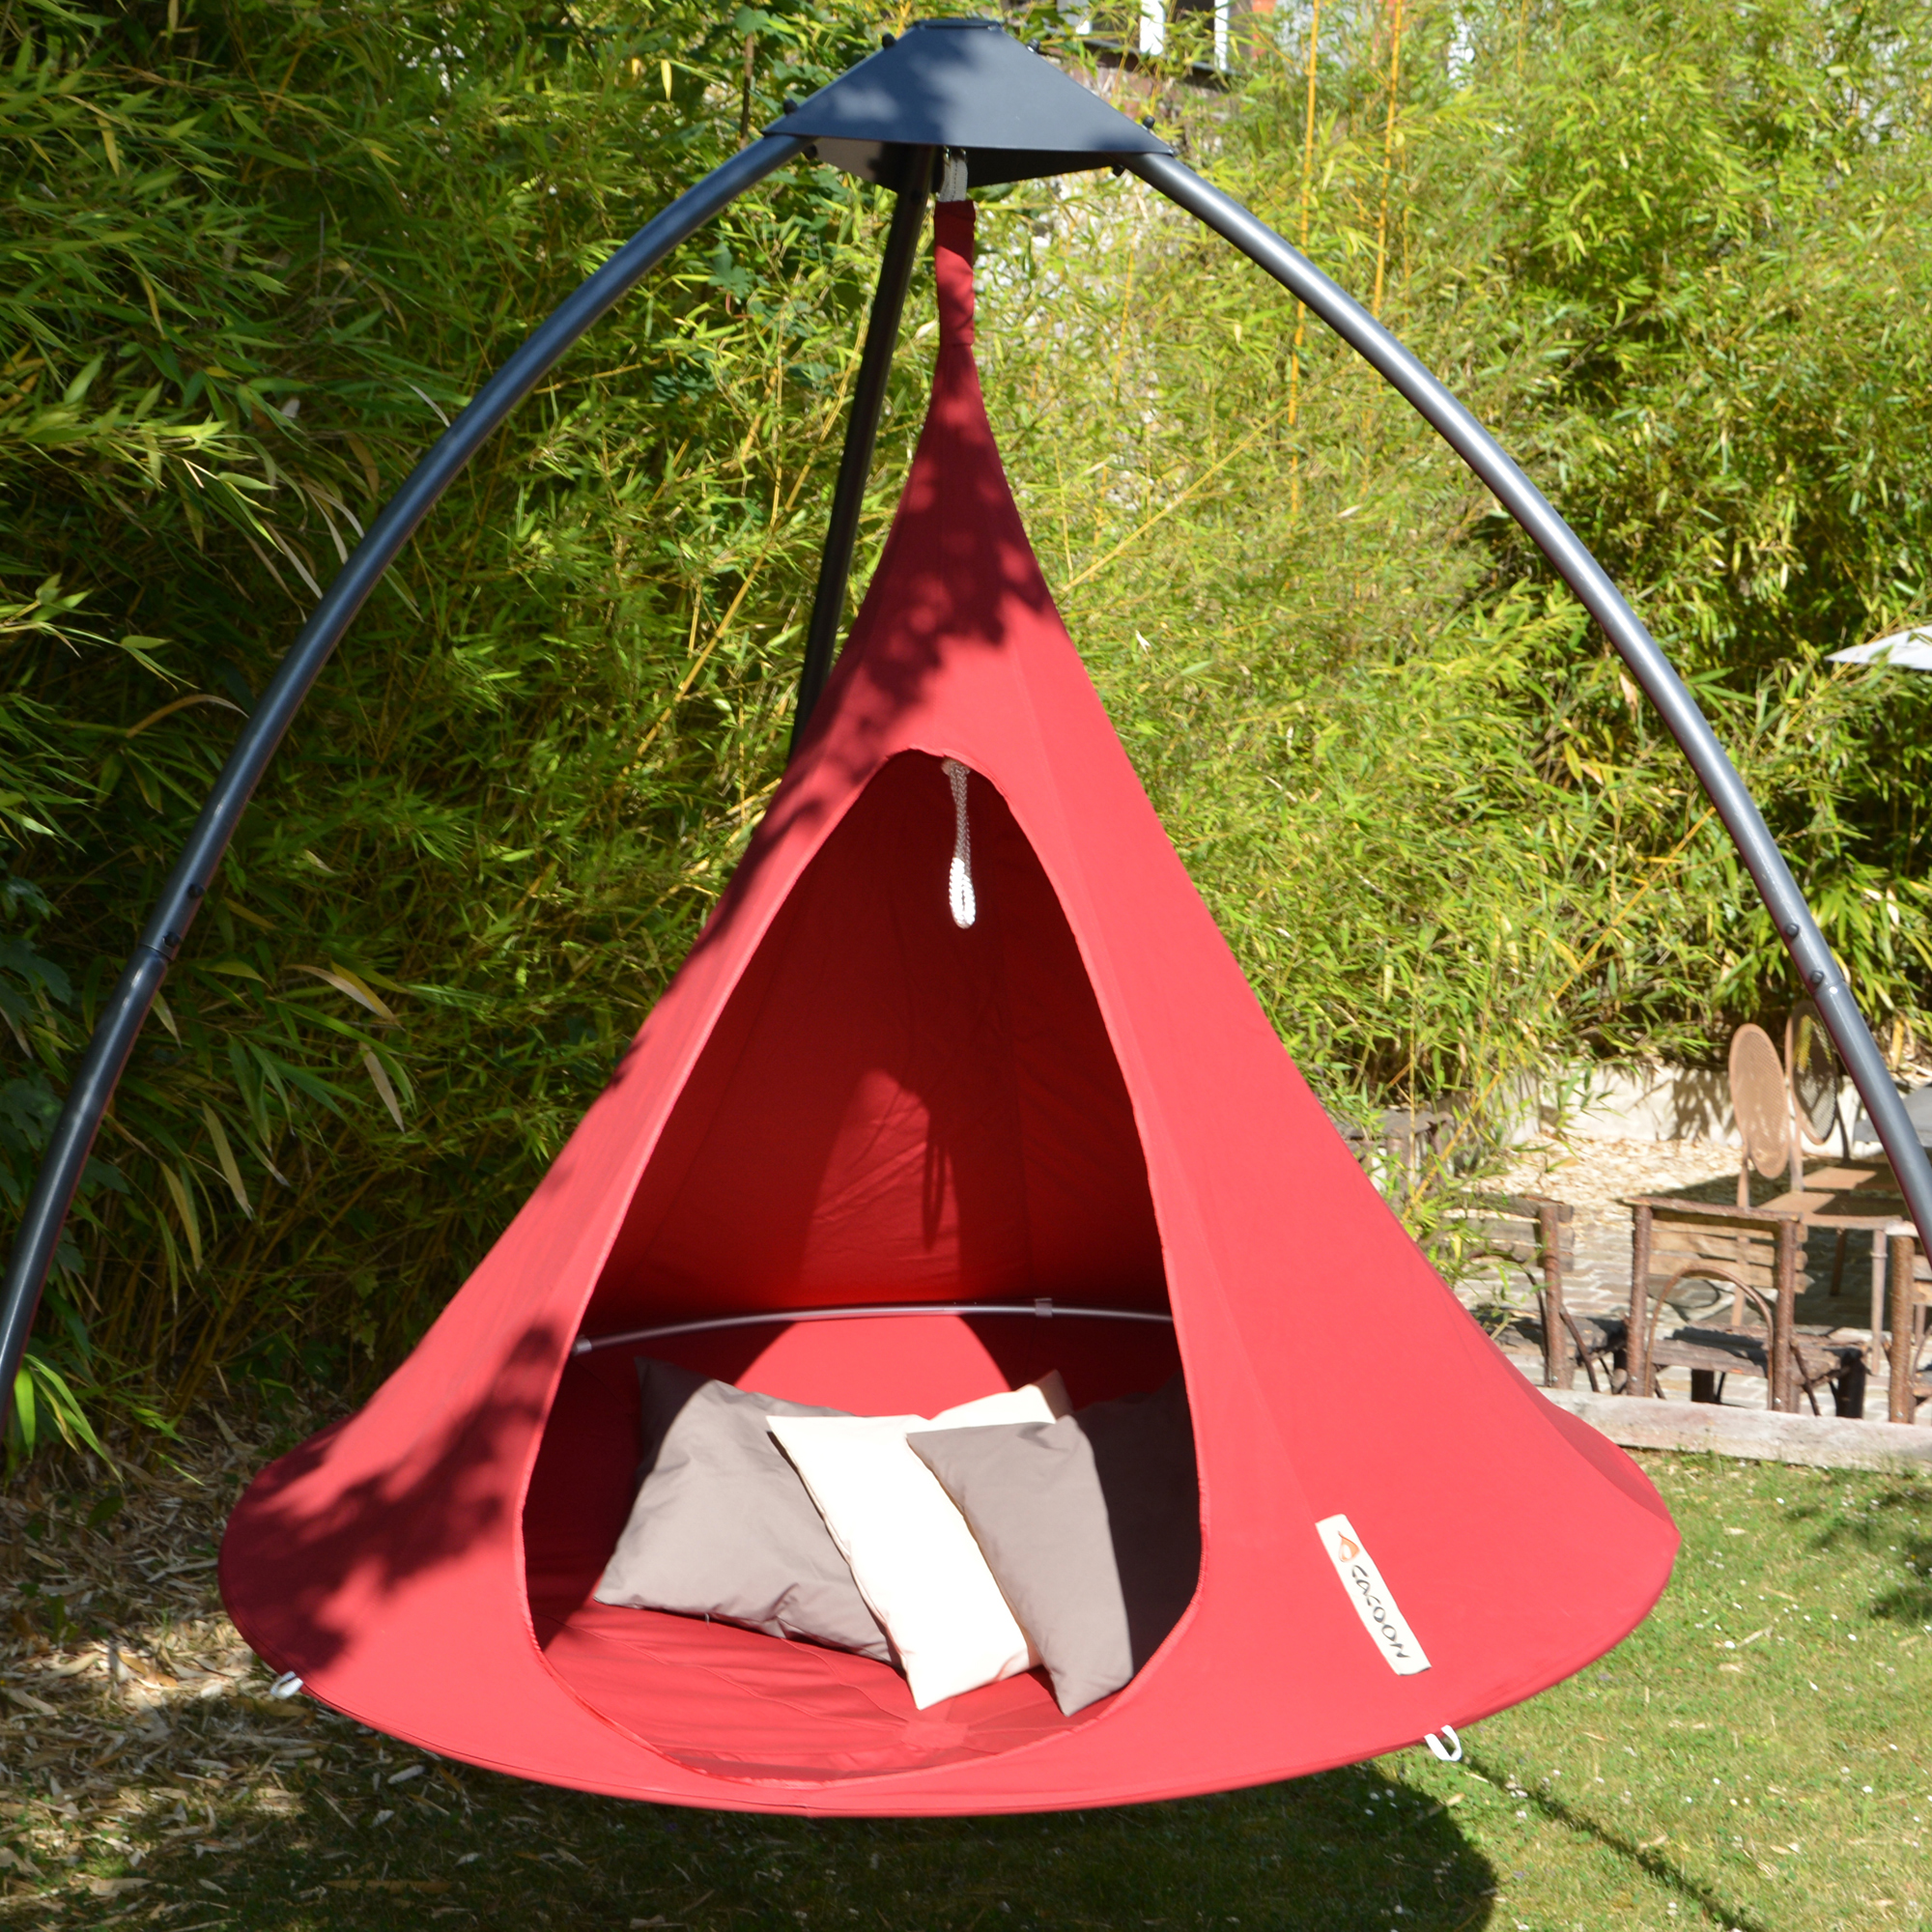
[1906,650]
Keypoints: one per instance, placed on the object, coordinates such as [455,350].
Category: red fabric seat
[844,1097]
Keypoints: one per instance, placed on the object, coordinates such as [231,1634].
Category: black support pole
[1648,665]
[126,1009]
[861,431]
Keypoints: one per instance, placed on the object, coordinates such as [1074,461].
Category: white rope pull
[286,1684]
[960,878]
[952,176]
[1453,1753]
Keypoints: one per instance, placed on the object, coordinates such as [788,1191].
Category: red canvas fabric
[844,1097]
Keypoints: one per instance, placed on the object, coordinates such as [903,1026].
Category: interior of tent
[892,1108]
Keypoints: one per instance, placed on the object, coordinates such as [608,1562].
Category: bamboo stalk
[1301,308]
[1389,156]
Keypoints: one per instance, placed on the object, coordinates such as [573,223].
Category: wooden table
[1855,1198]
[1862,1197]
[1910,1287]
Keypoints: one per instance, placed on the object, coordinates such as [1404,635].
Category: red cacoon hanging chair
[845,1098]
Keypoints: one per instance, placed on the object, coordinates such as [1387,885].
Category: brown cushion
[723,1527]
[1091,1525]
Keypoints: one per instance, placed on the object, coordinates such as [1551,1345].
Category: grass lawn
[1759,1755]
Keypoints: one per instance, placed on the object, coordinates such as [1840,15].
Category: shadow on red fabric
[847,1097]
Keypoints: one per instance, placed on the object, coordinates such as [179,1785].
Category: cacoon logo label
[1385,1622]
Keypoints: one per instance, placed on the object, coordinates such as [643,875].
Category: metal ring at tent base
[1042,1308]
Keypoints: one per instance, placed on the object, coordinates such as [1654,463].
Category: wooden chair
[1784,1104]
[1813,1076]
[1755,1252]
[1535,1233]
[1811,1066]
[1909,1286]
[1747,1241]
[1711,1355]
[1793,1104]
[1398,1151]
[1761,1105]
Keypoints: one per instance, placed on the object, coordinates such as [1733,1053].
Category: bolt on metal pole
[127,1007]
[862,432]
[1606,603]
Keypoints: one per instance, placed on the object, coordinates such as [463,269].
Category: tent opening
[893,1107]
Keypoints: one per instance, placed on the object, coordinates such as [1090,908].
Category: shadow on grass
[1647,1859]
[147,1779]
[369,1834]
[1891,1526]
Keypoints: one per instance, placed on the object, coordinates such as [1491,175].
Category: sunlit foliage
[255,251]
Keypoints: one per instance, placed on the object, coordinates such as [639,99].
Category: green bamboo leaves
[252,266]
[251,260]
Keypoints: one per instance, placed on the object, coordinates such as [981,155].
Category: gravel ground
[1597,1176]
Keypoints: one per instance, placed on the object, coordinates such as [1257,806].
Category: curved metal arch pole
[127,1007]
[1606,603]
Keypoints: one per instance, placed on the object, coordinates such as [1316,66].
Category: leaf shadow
[1893,1524]
[1646,1858]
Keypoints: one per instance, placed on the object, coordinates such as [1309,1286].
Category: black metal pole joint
[1601,597]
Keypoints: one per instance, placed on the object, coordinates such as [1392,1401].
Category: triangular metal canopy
[963,84]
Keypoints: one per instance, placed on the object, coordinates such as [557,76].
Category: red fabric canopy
[845,1098]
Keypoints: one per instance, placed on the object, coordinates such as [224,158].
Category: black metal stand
[861,431]
[127,1007]
[1606,603]
[969,86]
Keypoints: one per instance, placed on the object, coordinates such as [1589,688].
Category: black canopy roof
[964,84]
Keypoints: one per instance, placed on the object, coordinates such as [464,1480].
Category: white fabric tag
[1371,1597]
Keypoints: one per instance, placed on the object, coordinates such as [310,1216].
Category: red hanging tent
[846,1097]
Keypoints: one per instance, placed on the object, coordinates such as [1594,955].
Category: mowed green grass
[1758,1755]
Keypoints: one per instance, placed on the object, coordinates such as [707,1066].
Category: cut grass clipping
[1756,1756]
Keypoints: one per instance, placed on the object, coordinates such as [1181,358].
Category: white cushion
[911,1555]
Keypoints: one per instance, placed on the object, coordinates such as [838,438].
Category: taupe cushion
[1091,1526]
[722,1525]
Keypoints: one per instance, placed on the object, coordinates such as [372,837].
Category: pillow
[1091,1525]
[912,1556]
[721,1527]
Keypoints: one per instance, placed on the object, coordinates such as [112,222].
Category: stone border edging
[1758,1435]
